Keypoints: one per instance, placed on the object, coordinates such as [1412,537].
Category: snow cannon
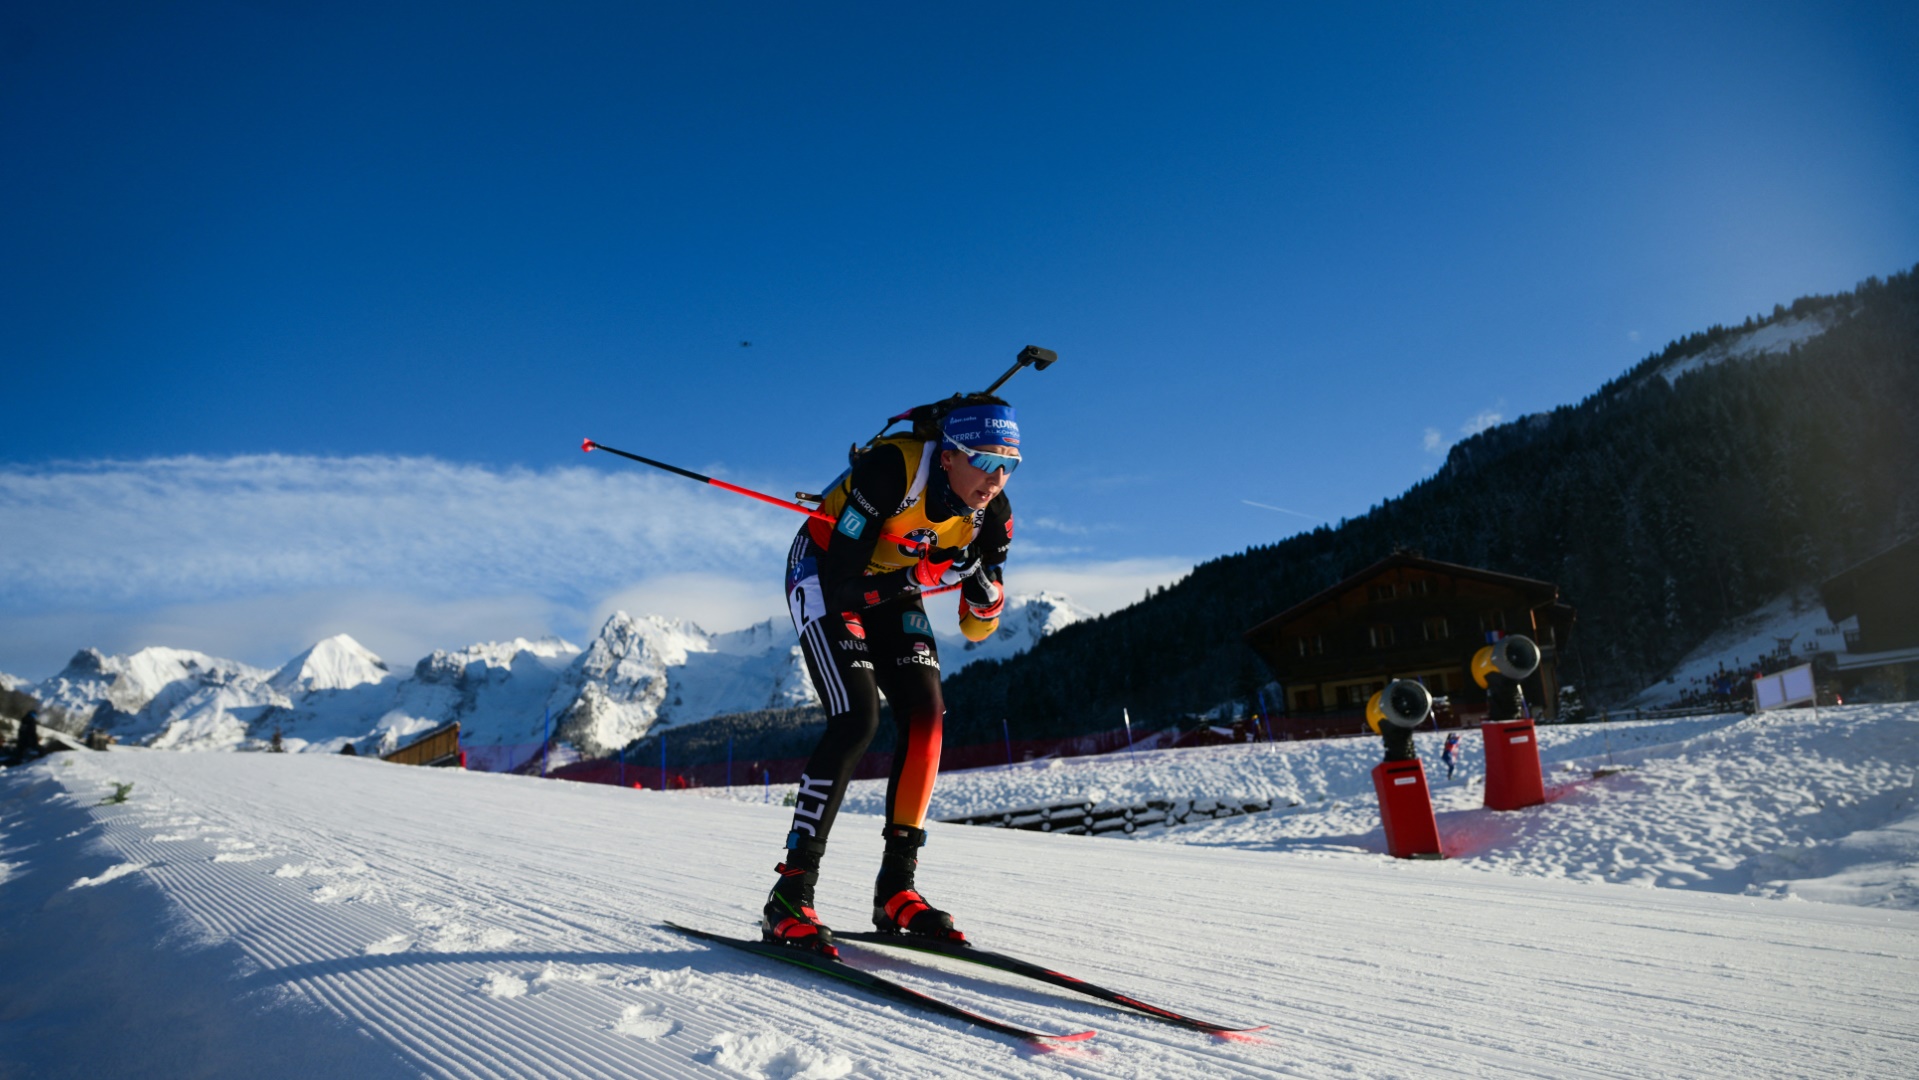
[1515,657]
[1404,703]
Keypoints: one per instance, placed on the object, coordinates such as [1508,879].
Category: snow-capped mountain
[338,663]
[130,683]
[1026,620]
[638,672]
[645,671]
[161,697]
[497,691]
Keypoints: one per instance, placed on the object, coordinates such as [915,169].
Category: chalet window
[1436,628]
[1314,645]
[1382,592]
[1492,620]
[1420,587]
[1380,635]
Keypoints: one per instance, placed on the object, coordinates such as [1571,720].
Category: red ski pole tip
[586,446]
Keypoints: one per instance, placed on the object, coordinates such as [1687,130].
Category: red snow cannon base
[1513,779]
[1406,809]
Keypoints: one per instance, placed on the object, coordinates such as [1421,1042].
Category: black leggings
[853,658]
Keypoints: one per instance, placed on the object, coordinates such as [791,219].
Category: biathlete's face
[975,486]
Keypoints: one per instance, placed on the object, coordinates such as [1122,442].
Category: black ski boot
[897,906]
[788,917]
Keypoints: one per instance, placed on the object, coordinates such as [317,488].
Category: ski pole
[588,446]
[818,515]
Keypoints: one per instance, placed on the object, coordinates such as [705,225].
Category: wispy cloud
[1068,528]
[194,529]
[257,557]
[201,551]
[1436,443]
[1097,586]
[1484,419]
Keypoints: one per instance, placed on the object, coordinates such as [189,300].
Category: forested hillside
[1679,495]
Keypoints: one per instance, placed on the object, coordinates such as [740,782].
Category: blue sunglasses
[984,461]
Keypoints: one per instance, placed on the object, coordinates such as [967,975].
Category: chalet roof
[1544,592]
[1841,592]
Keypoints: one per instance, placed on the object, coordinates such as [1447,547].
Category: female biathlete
[856,603]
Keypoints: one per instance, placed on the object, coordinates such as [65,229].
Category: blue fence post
[766,777]
[548,741]
[1266,714]
[662,761]
[729,763]
[623,766]
[1004,730]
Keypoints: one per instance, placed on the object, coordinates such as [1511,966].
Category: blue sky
[396,257]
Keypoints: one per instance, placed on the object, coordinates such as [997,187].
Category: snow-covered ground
[1775,337]
[314,915]
[1796,619]
[1797,803]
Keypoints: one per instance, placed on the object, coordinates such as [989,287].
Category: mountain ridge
[638,674]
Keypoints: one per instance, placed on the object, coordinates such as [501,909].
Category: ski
[839,969]
[1015,966]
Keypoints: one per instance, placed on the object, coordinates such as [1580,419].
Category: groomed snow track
[254,914]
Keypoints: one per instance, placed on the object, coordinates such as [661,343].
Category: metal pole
[662,761]
[1130,752]
[1006,731]
[549,739]
[766,777]
[623,766]
[729,762]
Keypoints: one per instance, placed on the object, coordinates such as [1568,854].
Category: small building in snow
[1409,617]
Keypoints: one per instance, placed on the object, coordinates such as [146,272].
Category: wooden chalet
[437,748]
[1409,617]
[1881,660]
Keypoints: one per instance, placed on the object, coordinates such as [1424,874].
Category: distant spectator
[1452,748]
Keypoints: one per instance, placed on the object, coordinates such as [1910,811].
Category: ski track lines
[487,926]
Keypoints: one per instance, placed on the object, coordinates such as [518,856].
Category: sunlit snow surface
[1791,804]
[313,915]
